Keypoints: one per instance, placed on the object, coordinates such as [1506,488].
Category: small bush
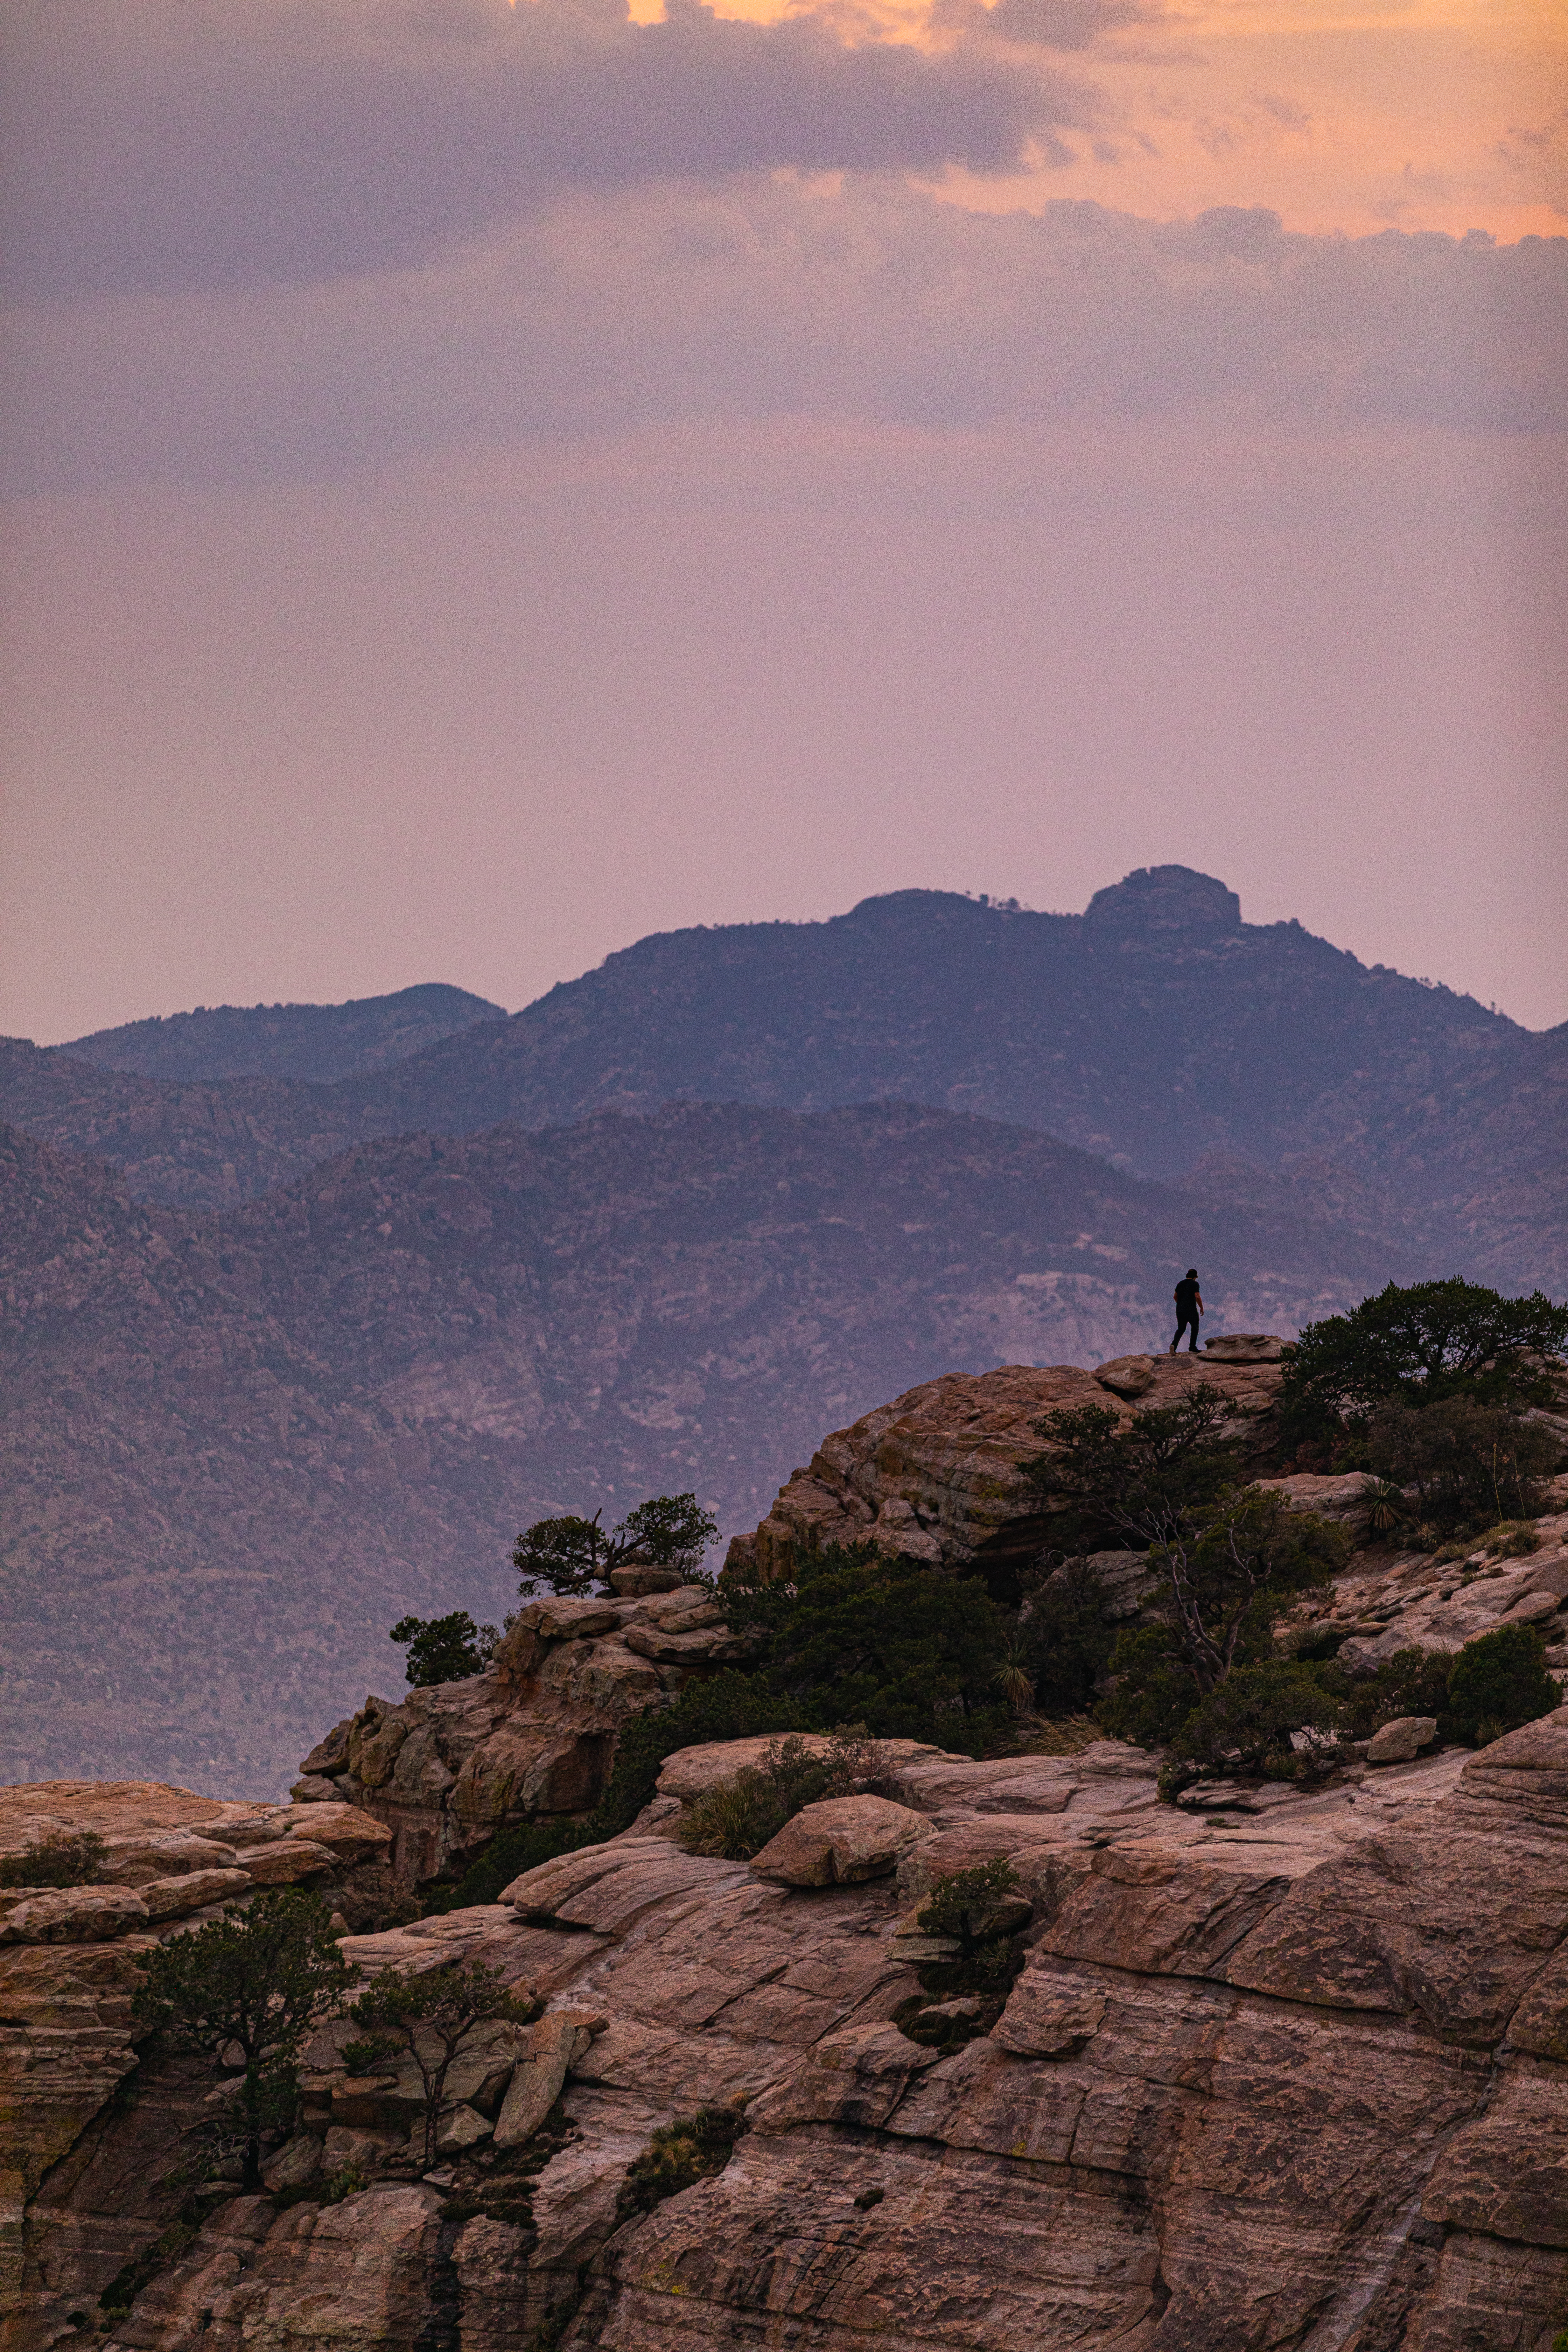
[1246,1724]
[345,2180]
[1413,1682]
[1511,1539]
[677,2157]
[1499,1683]
[1066,1639]
[1154,1689]
[370,2055]
[64,1858]
[965,1903]
[737,1816]
[443,1649]
[1470,1464]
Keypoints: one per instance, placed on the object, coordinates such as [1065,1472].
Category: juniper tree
[258,1982]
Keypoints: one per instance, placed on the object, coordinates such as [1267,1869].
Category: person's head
[1192,1274]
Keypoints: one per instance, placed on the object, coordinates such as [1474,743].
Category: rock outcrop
[937,1476]
[448,1765]
[1295,2074]
[1390,1600]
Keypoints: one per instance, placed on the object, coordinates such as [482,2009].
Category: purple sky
[485,484]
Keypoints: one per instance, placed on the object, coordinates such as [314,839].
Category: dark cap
[1192,1274]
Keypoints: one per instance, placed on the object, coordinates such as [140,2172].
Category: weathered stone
[131,1860]
[1245,1348]
[1049,2015]
[292,1861]
[459,2130]
[840,1842]
[73,1915]
[600,1678]
[530,1767]
[1126,1375]
[348,1832]
[331,1754]
[312,1789]
[1401,1740]
[631,1581]
[557,1618]
[552,2043]
[297,2161]
[691,1770]
[708,1645]
[952,1453]
[1535,1607]
[374,1752]
[172,1898]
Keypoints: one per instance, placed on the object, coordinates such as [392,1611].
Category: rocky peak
[1161,900]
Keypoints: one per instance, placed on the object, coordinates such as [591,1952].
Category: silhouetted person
[1189,1301]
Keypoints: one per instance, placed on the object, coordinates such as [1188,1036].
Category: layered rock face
[447,1767]
[68,1971]
[1410,1601]
[1293,2073]
[937,1475]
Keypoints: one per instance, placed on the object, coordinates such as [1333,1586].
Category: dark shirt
[1186,1299]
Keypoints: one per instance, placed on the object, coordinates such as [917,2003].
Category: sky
[484,483]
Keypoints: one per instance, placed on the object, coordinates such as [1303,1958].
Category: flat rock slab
[840,1842]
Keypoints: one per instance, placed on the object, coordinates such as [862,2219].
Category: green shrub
[677,2157]
[1065,1640]
[443,1649]
[571,1554]
[1413,1682]
[253,1986]
[1246,1724]
[863,1636]
[737,1816]
[64,1858]
[963,1996]
[370,2054]
[1470,1464]
[1498,1683]
[345,2179]
[1154,1691]
[1422,1343]
[965,1903]
[431,2016]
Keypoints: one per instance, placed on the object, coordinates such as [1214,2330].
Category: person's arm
[1200,1299]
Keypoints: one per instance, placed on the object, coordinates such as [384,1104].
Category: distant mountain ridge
[235,1449]
[307,1042]
[1157,1030]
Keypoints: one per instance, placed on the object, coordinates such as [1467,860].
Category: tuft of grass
[677,2157]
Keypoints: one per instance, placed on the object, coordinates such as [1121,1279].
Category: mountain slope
[1155,1030]
[308,1042]
[235,1449]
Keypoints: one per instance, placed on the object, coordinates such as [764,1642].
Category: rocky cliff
[1288,2072]
[235,1449]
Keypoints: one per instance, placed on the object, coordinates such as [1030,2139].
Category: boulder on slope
[842,1840]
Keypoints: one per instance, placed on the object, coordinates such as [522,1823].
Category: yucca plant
[1013,1678]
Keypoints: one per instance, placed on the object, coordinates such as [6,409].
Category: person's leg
[1177,1341]
[1193,1328]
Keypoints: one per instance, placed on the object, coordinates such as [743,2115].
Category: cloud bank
[605,312]
[156,144]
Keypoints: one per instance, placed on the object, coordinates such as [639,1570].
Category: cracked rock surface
[1291,2076]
